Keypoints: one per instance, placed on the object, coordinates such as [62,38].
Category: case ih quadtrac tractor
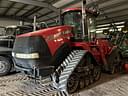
[69,53]
[6,45]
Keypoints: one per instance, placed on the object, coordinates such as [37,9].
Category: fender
[93,59]
[60,54]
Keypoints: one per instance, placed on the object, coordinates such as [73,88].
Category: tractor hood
[49,32]
[35,49]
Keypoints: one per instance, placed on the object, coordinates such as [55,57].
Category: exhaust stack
[34,23]
[84,20]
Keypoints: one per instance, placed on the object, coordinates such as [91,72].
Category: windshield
[73,18]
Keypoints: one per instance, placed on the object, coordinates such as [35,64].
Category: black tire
[82,83]
[91,79]
[82,76]
[87,82]
[97,73]
[73,83]
[114,61]
[5,66]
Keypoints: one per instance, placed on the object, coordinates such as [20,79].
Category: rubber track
[66,69]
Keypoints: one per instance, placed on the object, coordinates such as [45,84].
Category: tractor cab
[73,17]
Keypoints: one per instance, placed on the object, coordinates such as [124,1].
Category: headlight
[27,56]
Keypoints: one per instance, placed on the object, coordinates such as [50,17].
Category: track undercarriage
[76,72]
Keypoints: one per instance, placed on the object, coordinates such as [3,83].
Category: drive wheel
[72,83]
[82,83]
[114,61]
[5,66]
[91,79]
[97,73]
[87,82]
[113,70]
[86,67]
[87,62]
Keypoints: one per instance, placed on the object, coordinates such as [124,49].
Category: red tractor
[65,52]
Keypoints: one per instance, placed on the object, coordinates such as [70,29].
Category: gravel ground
[109,85]
[19,85]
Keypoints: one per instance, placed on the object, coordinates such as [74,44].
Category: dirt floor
[19,85]
[108,85]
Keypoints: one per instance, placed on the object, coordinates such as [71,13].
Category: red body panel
[57,36]
[92,48]
[126,67]
[54,36]
[99,49]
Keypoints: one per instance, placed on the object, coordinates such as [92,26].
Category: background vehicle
[70,53]
[6,44]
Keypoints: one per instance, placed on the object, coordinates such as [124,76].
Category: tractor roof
[95,13]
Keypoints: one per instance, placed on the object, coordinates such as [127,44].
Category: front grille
[32,44]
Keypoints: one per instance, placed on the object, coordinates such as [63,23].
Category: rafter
[115,18]
[44,14]
[29,11]
[71,3]
[16,18]
[11,5]
[50,18]
[114,5]
[37,3]
[20,9]
[113,12]
[53,1]
[33,11]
